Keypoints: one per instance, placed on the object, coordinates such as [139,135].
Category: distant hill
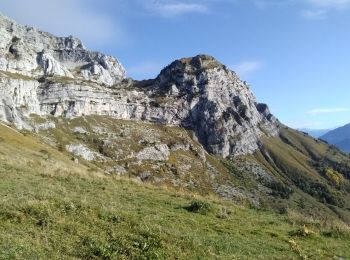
[339,137]
[316,133]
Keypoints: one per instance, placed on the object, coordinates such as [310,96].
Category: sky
[295,54]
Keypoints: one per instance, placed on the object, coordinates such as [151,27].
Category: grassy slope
[288,157]
[53,208]
[121,140]
[296,156]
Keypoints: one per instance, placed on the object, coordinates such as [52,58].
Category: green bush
[320,191]
[198,206]
[280,190]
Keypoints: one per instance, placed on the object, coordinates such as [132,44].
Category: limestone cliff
[53,76]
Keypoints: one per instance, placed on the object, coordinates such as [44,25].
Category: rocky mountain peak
[220,107]
[47,75]
[198,63]
[27,51]
[179,71]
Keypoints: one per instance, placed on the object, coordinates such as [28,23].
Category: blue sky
[294,53]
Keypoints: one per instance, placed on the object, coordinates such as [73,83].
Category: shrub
[280,190]
[320,191]
[342,168]
[198,206]
[334,177]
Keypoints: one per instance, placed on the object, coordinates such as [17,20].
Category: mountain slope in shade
[339,137]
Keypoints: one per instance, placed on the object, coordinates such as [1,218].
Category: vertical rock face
[52,67]
[47,75]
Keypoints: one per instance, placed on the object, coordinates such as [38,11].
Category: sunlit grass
[52,208]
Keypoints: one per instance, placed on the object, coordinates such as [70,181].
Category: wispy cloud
[263,4]
[247,67]
[313,14]
[308,9]
[65,17]
[319,9]
[170,8]
[320,111]
[335,4]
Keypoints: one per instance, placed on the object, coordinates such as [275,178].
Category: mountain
[195,128]
[339,137]
[196,125]
[67,80]
[316,133]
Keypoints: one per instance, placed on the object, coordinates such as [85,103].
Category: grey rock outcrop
[82,151]
[27,51]
[51,66]
[79,130]
[158,152]
[44,126]
[46,75]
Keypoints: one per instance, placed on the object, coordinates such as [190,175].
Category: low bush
[334,177]
[198,206]
[320,191]
[280,190]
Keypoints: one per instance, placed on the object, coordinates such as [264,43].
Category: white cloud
[323,4]
[319,9]
[263,4]
[308,9]
[246,67]
[169,8]
[314,14]
[63,18]
[320,111]
[336,4]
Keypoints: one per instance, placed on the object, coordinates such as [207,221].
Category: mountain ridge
[67,80]
[316,133]
[339,137]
